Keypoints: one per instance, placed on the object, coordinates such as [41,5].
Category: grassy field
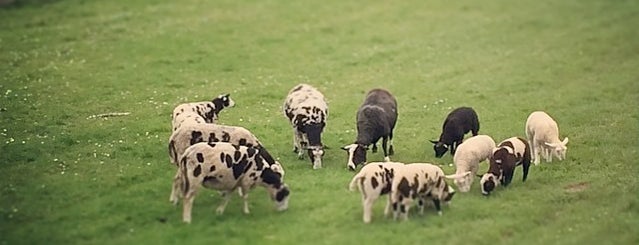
[71,179]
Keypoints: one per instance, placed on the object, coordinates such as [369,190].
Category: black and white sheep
[458,122]
[200,112]
[307,111]
[191,134]
[543,135]
[226,167]
[469,154]
[374,180]
[376,119]
[418,181]
[509,154]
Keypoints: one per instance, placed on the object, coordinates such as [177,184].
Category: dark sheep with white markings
[376,119]
[509,154]
[458,122]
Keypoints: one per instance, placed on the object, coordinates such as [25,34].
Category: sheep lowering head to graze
[373,181]
[191,134]
[199,112]
[543,135]
[509,153]
[307,111]
[226,167]
[458,122]
[418,181]
[376,119]
[469,154]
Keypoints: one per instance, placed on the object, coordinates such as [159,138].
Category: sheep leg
[391,151]
[403,208]
[177,182]
[374,149]
[296,140]
[245,198]
[526,167]
[385,148]
[536,152]
[367,203]
[387,209]
[226,198]
[188,204]
[420,204]
[437,206]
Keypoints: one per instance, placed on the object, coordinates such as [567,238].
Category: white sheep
[543,136]
[307,111]
[373,181]
[200,112]
[467,158]
[418,181]
[226,167]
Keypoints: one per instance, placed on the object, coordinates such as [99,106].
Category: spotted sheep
[469,154]
[543,135]
[191,134]
[458,122]
[226,167]
[509,154]
[372,181]
[376,119]
[200,112]
[418,181]
[307,111]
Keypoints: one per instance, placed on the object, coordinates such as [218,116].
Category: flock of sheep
[226,158]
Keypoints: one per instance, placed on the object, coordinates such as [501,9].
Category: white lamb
[467,158]
[543,135]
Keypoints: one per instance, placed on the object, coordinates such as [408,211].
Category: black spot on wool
[228,160]
[374,182]
[197,171]
[237,155]
[226,137]
[196,137]
[242,142]
[212,138]
[403,187]
[238,168]
[200,157]
[212,169]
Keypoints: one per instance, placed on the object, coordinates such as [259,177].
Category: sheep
[376,119]
[307,111]
[190,134]
[509,153]
[458,122]
[226,167]
[200,112]
[419,181]
[469,154]
[373,181]
[543,135]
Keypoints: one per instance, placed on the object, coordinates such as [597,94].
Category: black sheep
[376,119]
[458,122]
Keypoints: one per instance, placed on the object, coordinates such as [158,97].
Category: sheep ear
[549,144]
[434,141]
[565,141]
[480,175]
[345,147]
[456,176]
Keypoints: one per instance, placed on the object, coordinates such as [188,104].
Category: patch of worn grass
[70,179]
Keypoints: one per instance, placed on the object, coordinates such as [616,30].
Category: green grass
[69,179]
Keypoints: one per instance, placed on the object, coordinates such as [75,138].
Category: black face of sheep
[356,155]
[488,186]
[440,148]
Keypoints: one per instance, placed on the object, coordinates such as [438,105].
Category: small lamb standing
[509,154]
[226,167]
[307,110]
[469,154]
[458,122]
[200,112]
[376,119]
[543,135]
[419,181]
[373,181]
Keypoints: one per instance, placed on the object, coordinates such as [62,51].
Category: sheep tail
[355,182]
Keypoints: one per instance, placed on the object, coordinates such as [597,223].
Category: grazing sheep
[376,119]
[191,134]
[509,153]
[226,167]
[469,154]
[419,181]
[458,122]
[373,181]
[200,112]
[307,111]
[543,135]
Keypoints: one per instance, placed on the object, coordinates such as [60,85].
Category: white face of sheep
[558,149]
[316,153]
[463,181]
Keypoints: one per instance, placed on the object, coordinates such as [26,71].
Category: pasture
[70,178]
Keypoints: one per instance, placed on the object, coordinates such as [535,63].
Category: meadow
[70,178]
